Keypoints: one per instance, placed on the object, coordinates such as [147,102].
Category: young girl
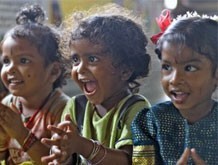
[108,54]
[32,71]
[183,130]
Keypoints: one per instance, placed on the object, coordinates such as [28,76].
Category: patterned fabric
[104,129]
[49,114]
[161,134]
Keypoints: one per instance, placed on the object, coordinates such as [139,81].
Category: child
[108,54]
[3,90]
[32,71]
[183,130]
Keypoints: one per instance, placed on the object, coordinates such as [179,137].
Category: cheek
[164,82]
[3,76]
[74,74]
[163,79]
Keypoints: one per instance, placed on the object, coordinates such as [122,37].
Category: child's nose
[81,67]
[176,77]
[11,68]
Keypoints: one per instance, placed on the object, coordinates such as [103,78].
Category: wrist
[68,161]
[28,142]
[98,153]
[85,147]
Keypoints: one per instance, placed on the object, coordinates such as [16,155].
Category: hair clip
[163,22]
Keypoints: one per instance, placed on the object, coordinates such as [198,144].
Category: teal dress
[161,134]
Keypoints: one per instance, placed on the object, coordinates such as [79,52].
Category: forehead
[17,43]
[18,46]
[179,52]
[85,46]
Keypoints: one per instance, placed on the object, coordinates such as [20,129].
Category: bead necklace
[28,120]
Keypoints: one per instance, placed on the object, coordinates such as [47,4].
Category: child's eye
[75,59]
[24,61]
[166,67]
[92,59]
[5,61]
[190,68]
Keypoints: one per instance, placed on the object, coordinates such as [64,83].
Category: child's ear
[126,74]
[55,71]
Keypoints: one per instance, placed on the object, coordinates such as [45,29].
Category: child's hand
[10,120]
[63,142]
[197,159]
[4,139]
[190,153]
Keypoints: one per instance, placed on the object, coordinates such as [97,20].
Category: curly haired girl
[108,54]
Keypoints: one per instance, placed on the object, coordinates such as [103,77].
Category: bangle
[29,141]
[95,150]
[105,153]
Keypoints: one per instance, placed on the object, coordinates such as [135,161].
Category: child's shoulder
[160,108]
[7,99]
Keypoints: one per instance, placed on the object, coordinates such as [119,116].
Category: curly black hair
[121,37]
[46,38]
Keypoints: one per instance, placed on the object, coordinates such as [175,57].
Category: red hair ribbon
[163,22]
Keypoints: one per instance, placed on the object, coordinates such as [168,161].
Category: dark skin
[24,73]
[80,145]
[190,153]
[88,71]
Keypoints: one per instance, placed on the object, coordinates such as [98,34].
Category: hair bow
[163,22]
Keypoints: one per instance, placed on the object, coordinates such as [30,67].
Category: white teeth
[179,93]
[85,81]
[14,81]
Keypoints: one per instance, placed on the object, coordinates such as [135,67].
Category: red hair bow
[163,22]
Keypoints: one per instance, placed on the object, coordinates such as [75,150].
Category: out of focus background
[57,10]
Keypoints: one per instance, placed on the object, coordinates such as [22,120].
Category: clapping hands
[190,153]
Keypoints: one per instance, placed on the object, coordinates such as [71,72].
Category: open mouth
[89,87]
[179,97]
[13,81]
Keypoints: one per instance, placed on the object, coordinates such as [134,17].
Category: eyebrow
[185,61]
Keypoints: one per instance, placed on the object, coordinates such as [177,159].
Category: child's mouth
[179,97]
[89,87]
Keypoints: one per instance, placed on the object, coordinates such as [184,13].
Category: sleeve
[69,109]
[144,139]
[57,106]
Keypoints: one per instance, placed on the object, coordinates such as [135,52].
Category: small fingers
[184,158]
[60,129]
[50,142]
[197,159]
[55,154]
[48,159]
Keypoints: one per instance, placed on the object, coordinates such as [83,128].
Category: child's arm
[68,141]
[11,122]
[4,139]
[144,143]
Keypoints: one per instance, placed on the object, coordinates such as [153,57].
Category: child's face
[187,78]
[92,70]
[23,71]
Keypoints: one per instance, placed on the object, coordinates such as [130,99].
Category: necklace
[28,120]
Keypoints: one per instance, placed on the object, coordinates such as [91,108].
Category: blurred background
[57,10]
